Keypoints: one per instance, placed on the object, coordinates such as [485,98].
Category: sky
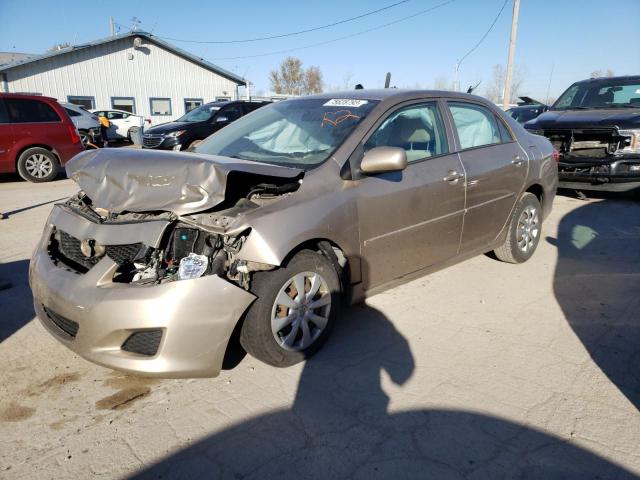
[558,42]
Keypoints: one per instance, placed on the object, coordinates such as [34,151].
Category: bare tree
[291,79]
[495,87]
[313,80]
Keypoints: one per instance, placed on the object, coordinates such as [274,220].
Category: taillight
[75,138]
[556,155]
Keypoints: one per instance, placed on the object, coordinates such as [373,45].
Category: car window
[232,112]
[4,117]
[476,125]
[115,115]
[505,134]
[418,129]
[71,113]
[100,113]
[22,110]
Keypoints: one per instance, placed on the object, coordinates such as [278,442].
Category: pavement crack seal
[123,398]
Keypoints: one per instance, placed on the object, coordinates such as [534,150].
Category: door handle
[453,176]
[517,160]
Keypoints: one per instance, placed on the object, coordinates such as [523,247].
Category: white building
[135,71]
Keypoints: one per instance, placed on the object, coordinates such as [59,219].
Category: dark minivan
[198,124]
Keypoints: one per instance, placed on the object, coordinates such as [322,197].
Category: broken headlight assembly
[630,143]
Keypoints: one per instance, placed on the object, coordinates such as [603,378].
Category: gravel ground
[483,370]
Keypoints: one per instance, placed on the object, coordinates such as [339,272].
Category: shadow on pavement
[340,427]
[597,284]
[16,302]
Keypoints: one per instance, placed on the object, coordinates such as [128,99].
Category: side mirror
[384,159]
[221,119]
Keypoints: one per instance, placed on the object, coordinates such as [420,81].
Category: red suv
[37,136]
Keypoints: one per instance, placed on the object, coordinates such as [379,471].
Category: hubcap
[528,229]
[301,311]
[39,165]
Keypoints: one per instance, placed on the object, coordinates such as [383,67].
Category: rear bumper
[195,317]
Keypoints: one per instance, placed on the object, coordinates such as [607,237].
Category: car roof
[26,95]
[625,78]
[112,110]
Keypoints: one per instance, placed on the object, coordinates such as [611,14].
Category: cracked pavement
[482,370]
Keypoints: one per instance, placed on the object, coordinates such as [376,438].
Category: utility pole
[112,27]
[506,98]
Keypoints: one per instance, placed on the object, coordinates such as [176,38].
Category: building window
[160,106]
[128,104]
[88,103]
[191,104]
[223,99]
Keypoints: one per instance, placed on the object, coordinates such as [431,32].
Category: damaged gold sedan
[276,221]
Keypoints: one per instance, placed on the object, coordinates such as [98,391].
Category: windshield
[607,94]
[200,114]
[524,114]
[296,133]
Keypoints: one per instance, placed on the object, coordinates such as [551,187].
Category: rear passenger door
[411,219]
[7,163]
[495,168]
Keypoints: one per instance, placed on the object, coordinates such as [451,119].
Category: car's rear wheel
[38,165]
[525,228]
[295,310]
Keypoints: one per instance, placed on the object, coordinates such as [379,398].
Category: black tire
[256,336]
[26,169]
[512,250]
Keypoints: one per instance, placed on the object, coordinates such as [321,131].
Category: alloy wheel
[39,165]
[528,228]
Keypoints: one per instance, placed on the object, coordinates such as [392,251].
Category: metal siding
[104,71]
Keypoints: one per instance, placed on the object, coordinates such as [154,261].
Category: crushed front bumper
[615,176]
[94,317]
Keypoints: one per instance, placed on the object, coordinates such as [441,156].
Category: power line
[290,34]
[485,34]
[422,12]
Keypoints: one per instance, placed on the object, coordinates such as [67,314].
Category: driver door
[411,219]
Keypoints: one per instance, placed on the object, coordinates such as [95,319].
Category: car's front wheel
[294,312]
[525,228]
[37,165]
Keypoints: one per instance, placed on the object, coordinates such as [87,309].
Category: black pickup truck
[595,127]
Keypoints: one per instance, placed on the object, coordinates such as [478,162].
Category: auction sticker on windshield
[345,102]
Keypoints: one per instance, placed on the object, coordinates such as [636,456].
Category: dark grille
[143,343]
[65,248]
[63,323]
[151,142]
[123,253]
[68,252]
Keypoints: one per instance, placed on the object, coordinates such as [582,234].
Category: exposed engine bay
[191,246]
[577,145]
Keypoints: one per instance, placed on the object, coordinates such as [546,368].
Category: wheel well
[538,191]
[46,147]
[331,250]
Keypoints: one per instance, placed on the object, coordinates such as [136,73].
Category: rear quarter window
[22,110]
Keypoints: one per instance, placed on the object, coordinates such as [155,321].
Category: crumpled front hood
[141,180]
